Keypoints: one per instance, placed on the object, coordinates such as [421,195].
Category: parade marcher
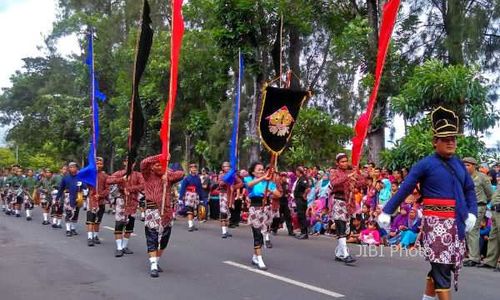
[97,204]
[29,184]
[18,192]
[70,197]
[259,184]
[300,191]
[3,189]
[449,201]
[158,223]
[9,194]
[127,202]
[44,190]
[284,210]
[57,207]
[191,192]
[234,220]
[483,190]
[342,184]
[226,198]
[491,261]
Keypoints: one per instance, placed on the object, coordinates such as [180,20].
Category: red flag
[175,44]
[389,15]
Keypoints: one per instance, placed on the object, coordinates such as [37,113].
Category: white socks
[224,229]
[96,235]
[143,214]
[190,223]
[119,245]
[72,226]
[45,217]
[17,212]
[54,220]
[154,263]
[254,260]
[28,213]
[260,262]
[425,297]
[59,221]
[343,246]
[90,235]
[68,226]
[266,237]
[124,242]
[339,252]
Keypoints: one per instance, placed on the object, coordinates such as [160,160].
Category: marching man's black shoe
[128,251]
[349,260]
[154,273]
[118,253]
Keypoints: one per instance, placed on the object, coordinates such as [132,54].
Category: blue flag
[88,174]
[233,147]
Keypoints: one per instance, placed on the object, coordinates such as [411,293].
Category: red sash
[441,208]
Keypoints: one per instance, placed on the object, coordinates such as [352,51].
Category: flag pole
[92,104]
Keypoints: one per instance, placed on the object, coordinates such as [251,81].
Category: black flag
[136,125]
[280,109]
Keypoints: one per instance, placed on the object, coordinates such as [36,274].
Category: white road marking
[112,229]
[287,280]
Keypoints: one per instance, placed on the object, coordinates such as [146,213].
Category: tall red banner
[389,15]
[175,44]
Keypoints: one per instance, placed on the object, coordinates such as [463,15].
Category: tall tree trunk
[453,25]
[453,16]
[376,134]
[294,56]
[187,144]
[276,51]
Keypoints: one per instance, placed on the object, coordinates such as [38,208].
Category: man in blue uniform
[191,192]
[450,205]
[70,188]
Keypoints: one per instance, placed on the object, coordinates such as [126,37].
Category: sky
[32,20]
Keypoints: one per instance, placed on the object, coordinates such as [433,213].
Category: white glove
[384,220]
[470,222]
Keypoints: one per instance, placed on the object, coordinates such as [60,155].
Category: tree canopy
[442,52]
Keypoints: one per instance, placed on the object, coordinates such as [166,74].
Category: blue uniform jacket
[192,180]
[437,181]
[73,185]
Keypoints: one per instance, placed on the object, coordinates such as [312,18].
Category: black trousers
[258,238]
[127,225]
[340,228]
[235,212]
[301,214]
[152,238]
[72,216]
[285,216]
[95,218]
[441,276]
[214,209]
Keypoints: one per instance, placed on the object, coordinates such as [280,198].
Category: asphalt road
[38,262]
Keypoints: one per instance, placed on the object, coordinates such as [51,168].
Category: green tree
[7,157]
[418,143]
[316,139]
[454,87]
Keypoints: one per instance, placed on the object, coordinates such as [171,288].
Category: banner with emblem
[279,113]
